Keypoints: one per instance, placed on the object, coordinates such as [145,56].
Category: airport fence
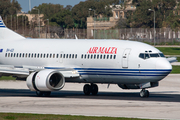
[161,36]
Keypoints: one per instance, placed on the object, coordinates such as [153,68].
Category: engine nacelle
[45,80]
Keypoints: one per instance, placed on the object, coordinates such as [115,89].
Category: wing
[172,59]
[24,71]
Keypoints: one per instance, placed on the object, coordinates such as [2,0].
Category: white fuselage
[97,61]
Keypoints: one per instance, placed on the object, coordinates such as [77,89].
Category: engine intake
[45,80]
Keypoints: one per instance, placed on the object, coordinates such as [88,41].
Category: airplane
[47,64]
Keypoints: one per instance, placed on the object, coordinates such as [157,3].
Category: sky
[25,3]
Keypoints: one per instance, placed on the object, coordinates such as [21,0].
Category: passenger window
[107,56]
[76,56]
[6,55]
[114,56]
[53,55]
[91,56]
[104,56]
[67,56]
[44,55]
[11,54]
[97,56]
[26,55]
[110,56]
[20,55]
[41,55]
[94,56]
[50,55]
[57,55]
[38,56]
[73,56]
[61,56]
[82,56]
[29,55]
[88,56]
[34,55]
[64,56]
[47,56]
[14,54]
[17,55]
[101,57]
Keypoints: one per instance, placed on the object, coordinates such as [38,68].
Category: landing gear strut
[144,93]
[43,93]
[93,88]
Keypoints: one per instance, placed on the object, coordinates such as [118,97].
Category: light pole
[154,26]
[94,21]
[39,20]
[47,31]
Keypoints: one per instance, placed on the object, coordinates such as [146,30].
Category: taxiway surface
[163,103]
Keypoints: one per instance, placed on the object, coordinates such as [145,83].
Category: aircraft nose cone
[163,64]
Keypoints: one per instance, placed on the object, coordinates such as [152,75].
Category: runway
[163,103]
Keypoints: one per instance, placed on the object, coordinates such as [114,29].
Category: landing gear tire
[87,89]
[94,89]
[40,93]
[47,94]
[144,93]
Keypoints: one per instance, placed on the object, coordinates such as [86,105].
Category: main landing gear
[93,88]
[144,93]
[43,93]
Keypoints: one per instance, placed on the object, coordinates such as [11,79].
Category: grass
[178,59]
[7,78]
[25,116]
[170,50]
[175,70]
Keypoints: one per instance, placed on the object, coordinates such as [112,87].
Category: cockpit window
[141,55]
[146,56]
[161,54]
[154,55]
[150,55]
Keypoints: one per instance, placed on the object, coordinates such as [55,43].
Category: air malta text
[103,50]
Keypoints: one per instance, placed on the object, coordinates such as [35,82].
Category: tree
[142,17]
[9,8]
[61,17]
[173,20]
[47,9]
[80,12]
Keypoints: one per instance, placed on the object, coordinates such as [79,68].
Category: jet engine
[45,80]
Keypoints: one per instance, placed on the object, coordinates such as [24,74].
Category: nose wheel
[88,89]
[144,93]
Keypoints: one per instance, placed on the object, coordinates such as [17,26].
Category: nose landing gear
[144,93]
